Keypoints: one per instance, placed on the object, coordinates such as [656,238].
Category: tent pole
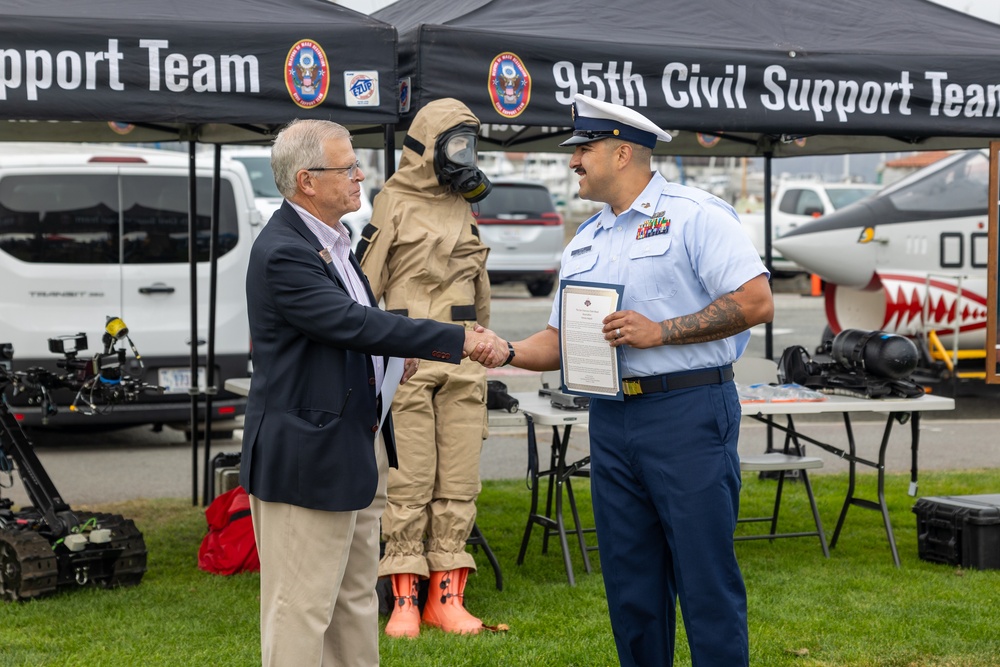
[193,276]
[213,261]
[768,259]
[390,151]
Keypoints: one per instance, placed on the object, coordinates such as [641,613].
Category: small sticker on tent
[361,89]
[404,95]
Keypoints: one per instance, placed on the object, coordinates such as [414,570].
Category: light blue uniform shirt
[675,250]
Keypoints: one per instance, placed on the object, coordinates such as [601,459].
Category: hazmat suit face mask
[455,163]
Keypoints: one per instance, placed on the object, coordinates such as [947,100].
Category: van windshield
[99,219]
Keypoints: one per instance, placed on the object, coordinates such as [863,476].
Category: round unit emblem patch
[120,128]
[509,84]
[707,140]
[307,75]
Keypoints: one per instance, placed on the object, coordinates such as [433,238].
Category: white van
[90,231]
[257,161]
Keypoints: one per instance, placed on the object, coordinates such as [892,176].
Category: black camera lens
[878,352]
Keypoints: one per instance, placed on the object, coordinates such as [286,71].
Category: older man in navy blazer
[314,456]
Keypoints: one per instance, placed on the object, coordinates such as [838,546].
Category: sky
[984,9]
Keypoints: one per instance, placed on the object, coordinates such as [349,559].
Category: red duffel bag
[229,546]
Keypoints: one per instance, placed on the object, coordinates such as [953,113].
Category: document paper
[589,363]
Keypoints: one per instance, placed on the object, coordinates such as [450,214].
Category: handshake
[485,347]
[481,345]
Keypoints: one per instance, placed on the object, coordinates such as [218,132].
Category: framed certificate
[589,363]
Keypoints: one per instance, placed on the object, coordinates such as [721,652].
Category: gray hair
[299,145]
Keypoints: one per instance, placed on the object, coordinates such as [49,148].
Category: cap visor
[576,141]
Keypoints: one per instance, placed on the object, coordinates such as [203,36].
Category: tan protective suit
[424,256]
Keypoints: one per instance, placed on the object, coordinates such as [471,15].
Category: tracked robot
[48,546]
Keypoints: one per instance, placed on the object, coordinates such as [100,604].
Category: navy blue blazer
[312,411]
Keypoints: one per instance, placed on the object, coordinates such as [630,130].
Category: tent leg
[193,275]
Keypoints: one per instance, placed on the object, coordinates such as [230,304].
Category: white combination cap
[594,120]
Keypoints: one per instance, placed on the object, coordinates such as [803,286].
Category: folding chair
[788,462]
[477,539]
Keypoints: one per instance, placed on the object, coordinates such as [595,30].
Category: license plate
[178,380]
[512,235]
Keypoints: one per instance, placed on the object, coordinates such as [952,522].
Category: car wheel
[541,287]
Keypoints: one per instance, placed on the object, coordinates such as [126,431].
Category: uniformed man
[665,470]
[422,253]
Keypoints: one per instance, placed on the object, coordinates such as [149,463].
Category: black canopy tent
[219,72]
[231,71]
[769,78]
[733,77]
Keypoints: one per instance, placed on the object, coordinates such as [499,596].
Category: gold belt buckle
[631,387]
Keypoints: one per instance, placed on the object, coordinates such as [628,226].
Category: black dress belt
[672,381]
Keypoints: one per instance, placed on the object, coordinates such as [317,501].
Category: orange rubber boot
[405,619]
[444,607]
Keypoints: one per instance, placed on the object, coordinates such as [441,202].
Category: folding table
[896,409]
[538,410]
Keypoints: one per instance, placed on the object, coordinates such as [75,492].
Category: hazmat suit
[423,255]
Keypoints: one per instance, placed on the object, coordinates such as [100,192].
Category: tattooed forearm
[720,319]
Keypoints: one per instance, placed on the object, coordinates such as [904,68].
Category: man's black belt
[673,381]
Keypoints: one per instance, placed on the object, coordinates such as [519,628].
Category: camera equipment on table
[563,401]
[498,398]
[866,364]
[49,546]
[884,354]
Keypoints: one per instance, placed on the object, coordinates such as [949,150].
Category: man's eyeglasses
[352,170]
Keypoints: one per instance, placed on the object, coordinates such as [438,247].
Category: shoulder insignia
[587,222]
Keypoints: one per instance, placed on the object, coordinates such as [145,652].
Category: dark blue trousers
[665,478]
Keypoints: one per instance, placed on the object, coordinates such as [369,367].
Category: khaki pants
[439,419]
[317,581]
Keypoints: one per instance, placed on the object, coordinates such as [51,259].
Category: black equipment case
[225,473]
[959,530]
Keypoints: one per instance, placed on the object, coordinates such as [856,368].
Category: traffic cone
[816,285]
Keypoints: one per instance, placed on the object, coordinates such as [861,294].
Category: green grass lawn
[855,609]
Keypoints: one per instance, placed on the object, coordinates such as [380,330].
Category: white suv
[519,223]
[88,232]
